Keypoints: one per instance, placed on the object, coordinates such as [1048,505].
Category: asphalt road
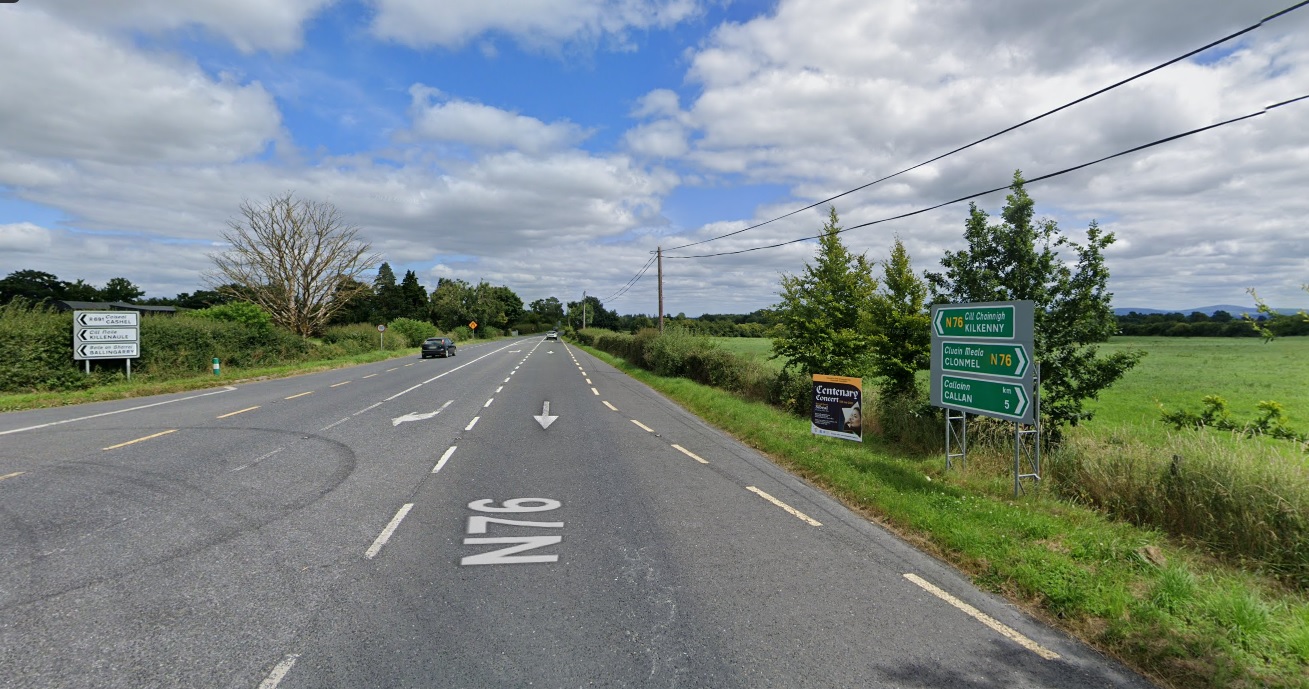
[413,523]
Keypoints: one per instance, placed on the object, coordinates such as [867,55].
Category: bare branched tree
[299,260]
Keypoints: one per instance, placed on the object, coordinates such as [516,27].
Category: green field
[1178,372]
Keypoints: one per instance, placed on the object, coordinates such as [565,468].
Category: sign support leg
[129,368]
[956,438]
[1028,441]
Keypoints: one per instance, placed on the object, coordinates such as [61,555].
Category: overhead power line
[632,282]
[1026,122]
[1028,181]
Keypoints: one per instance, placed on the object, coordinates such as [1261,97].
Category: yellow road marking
[339,384]
[300,395]
[690,454]
[16,473]
[984,618]
[156,435]
[240,411]
[794,512]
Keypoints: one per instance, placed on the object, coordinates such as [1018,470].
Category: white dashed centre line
[611,407]
[370,375]
[506,380]
[472,423]
[239,411]
[275,677]
[385,536]
[984,618]
[488,403]
[497,390]
[690,454]
[337,385]
[644,427]
[445,458]
[594,391]
[300,395]
[793,511]
[588,381]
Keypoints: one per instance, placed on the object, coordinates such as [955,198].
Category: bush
[237,312]
[413,330]
[362,337]
[36,350]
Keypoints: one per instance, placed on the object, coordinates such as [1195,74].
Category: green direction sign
[991,322]
[993,398]
[1007,360]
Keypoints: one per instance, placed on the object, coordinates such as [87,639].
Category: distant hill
[1206,310]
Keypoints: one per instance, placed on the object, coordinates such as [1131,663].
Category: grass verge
[1164,609]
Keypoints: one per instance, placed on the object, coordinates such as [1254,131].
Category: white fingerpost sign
[106,335]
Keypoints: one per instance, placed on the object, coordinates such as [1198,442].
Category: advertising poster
[838,407]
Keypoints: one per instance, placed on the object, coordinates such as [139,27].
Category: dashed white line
[643,426]
[299,395]
[148,437]
[239,411]
[588,381]
[611,407]
[985,619]
[258,460]
[506,380]
[472,423]
[370,375]
[488,403]
[16,473]
[497,390]
[275,677]
[594,391]
[690,454]
[793,511]
[337,385]
[444,458]
[397,368]
[385,536]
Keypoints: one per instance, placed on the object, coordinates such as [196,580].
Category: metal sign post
[983,363]
[106,335]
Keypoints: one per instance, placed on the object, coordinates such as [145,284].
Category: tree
[387,298]
[900,325]
[550,311]
[298,259]
[1018,260]
[35,285]
[413,297]
[821,310]
[450,303]
[80,290]
[121,289]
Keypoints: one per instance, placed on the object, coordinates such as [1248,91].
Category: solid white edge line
[472,423]
[227,388]
[334,424]
[644,427]
[690,454]
[385,536]
[444,458]
[275,677]
[611,407]
[984,618]
[793,511]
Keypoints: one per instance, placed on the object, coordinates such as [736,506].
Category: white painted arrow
[545,419]
[419,417]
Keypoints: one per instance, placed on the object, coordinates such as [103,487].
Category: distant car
[552,335]
[438,346]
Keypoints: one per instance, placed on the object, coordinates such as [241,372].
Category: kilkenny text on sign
[990,322]
[989,397]
[1007,360]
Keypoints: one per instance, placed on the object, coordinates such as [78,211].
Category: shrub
[415,331]
[362,337]
[36,350]
[237,312]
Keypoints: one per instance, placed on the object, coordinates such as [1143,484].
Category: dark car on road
[438,346]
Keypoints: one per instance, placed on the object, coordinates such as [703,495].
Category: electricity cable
[1065,106]
[632,282]
[1028,181]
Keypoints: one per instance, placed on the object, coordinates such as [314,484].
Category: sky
[552,145]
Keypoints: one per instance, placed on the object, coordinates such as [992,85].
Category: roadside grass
[144,386]
[1170,611]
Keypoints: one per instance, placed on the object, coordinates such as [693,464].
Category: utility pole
[660,254]
[583,309]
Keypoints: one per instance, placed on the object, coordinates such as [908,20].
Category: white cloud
[248,24]
[532,23]
[72,94]
[662,139]
[24,237]
[482,126]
